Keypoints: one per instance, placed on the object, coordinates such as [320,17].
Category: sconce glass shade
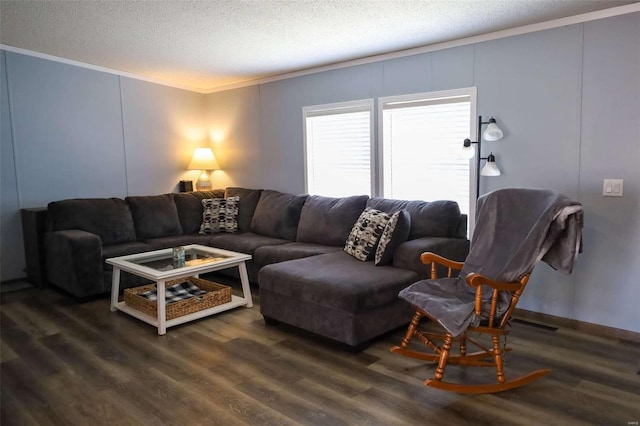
[490,168]
[492,132]
[467,151]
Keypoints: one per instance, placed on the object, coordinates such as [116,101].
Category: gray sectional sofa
[305,277]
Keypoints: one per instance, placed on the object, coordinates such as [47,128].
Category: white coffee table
[158,266]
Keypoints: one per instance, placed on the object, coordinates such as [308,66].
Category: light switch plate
[612,188]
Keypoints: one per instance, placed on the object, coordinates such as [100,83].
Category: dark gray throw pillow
[395,233]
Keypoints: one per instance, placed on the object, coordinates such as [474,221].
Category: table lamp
[204,160]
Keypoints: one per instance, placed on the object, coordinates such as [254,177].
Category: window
[338,148]
[421,138]
[418,145]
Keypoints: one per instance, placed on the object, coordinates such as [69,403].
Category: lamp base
[203,183]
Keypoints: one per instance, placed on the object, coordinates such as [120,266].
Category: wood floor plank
[11,413]
[30,350]
[222,394]
[335,403]
[77,402]
[411,409]
[151,396]
[347,365]
[6,353]
[80,361]
[29,320]
[579,407]
[292,405]
[515,408]
[230,331]
[25,388]
[624,401]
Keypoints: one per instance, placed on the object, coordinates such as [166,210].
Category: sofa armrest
[407,255]
[74,262]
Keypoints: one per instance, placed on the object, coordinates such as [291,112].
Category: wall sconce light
[204,160]
[491,133]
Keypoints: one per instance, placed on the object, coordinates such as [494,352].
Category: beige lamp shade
[203,159]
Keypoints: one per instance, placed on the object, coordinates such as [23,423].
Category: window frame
[342,108]
[471,93]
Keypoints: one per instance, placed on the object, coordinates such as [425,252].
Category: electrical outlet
[612,188]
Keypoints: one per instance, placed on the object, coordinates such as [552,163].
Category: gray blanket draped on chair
[515,228]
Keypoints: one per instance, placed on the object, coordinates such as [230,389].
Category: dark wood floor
[65,363]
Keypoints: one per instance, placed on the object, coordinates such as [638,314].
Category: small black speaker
[185,186]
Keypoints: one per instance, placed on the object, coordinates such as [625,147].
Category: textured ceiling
[209,44]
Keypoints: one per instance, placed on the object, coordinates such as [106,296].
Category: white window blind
[338,149]
[420,148]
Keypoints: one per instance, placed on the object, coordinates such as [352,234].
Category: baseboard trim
[587,327]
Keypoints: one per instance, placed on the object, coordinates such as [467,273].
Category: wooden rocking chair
[493,326]
[515,228]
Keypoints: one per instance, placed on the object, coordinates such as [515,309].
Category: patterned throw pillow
[395,233]
[365,234]
[219,215]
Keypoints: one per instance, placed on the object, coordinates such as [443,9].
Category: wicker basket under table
[217,294]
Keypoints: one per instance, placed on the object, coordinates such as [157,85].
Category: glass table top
[167,262]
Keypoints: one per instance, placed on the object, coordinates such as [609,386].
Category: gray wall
[11,251]
[566,98]
[162,127]
[233,124]
[71,132]
[608,291]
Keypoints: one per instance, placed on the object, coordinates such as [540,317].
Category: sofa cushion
[328,221]
[189,205]
[124,249]
[366,233]
[267,255]
[246,242]
[277,214]
[178,240]
[407,254]
[336,280]
[428,219]
[247,205]
[219,215]
[154,216]
[394,234]
[108,218]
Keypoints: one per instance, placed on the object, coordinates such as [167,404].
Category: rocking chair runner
[515,228]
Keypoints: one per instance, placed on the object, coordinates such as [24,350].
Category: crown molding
[541,26]
[98,68]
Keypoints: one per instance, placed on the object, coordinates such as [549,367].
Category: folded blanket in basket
[181,291]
